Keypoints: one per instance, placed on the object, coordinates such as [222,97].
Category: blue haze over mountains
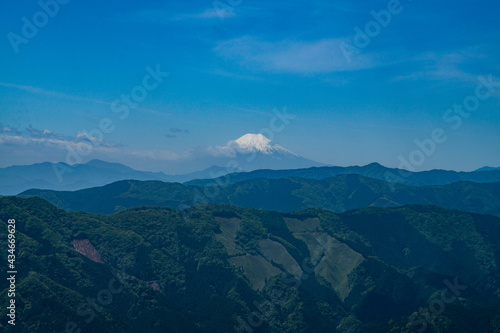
[252,156]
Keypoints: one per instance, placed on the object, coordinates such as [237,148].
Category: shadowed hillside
[338,194]
[220,268]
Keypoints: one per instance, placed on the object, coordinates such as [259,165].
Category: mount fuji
[255,151]
[259,143]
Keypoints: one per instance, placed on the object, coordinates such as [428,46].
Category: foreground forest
[221,268]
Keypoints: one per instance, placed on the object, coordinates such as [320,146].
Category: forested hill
[339,193]
[372,170]
[220,268]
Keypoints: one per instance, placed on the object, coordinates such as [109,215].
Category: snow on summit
[259,143]
[253,142]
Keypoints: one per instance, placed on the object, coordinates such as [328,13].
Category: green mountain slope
[338,194]
[220,268]
[372,170]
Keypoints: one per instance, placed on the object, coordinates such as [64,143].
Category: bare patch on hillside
[228,228]
[333,260]
[256,269]
[86,248]
[154,285]
[276,252]
[309,224]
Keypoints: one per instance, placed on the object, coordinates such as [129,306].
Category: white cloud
[215,13]
[9,130]
[301,57]
[229,150]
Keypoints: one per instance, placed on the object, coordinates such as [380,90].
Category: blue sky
[230,69]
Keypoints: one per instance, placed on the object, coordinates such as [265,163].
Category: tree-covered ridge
[338,194]
[220,268]
[372,170]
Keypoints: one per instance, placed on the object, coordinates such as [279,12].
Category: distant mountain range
[64,177]
[221,268]
[249,157]
[487,168]
[373,170]
[250,152]
[339,193]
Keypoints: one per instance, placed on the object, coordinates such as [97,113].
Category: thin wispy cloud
[145,16]
[60,95]
[175,131]
[51,93]
[215,13]
[9,130]
[178,130]
[233,75]
[34,145]
[300,57]
[163,17]
[449,67]
[161,155]
[42,142]
[434,66]
[45,137]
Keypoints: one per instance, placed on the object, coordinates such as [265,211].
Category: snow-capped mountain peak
[259,143]
[256,151]
[253,141]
